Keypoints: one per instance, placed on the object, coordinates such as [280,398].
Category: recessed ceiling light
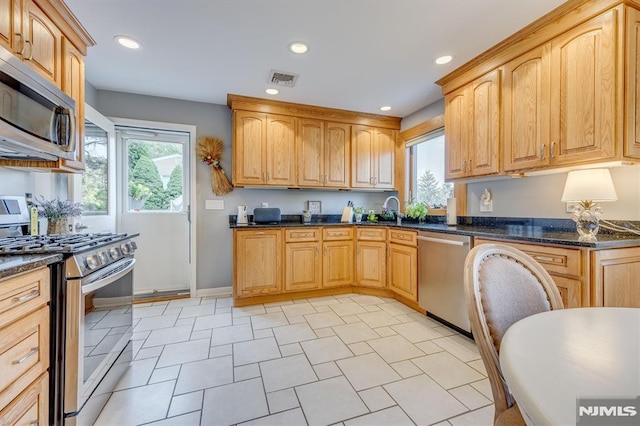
[444,59]
[298,47]
[128,42]
[272,91]
[385,108]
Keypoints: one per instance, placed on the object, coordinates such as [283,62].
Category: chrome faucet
[386,202]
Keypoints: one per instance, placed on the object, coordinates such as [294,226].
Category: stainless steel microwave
[37,119]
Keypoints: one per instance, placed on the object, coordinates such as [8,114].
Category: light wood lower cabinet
[615,275]
[402,263]
[257,262]
[337,257]
[371,257]
[302,266]
[24,347]
[565,265]
[31,407]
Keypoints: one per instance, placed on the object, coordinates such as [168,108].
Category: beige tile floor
[348,360]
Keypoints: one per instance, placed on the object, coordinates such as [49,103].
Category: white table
[552,358]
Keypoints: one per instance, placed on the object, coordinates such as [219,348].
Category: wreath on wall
[210,152]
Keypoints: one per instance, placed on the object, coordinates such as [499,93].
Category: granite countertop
[15,264]
[542,231]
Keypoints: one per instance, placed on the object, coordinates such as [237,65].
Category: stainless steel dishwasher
[441,278]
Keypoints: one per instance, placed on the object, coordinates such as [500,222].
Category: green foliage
[146,173]
[138,191]
[431,191]
[416,210]
[174,187]
[136,151]
[358,210]
[94,180]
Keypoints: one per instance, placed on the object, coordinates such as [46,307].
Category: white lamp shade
[589,185]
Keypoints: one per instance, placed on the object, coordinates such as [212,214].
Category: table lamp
[586,188]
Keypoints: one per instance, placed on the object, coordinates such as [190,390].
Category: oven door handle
[109,275]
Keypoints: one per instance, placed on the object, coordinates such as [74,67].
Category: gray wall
[214,243]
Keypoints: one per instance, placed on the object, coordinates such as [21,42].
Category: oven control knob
[114,252]
[134,246]
[125,248]
[92,261]
[103,257]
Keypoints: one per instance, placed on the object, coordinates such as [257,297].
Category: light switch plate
[214,204]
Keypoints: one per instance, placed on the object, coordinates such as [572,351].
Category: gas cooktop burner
[64,243]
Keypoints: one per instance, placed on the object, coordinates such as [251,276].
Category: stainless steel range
[91,315]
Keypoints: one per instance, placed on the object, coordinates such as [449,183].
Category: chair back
[502,286]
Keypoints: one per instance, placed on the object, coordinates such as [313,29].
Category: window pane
[428,180]
[95,192]
[155,173]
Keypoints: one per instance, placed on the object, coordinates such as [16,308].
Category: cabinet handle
[542,148]
[259,233]
[544,258]
[469,164]
[268,176]
[464,166]
[32,352]
[552,152]
[21,49]
[316,251]
[30,49]
[28,296]
[325,250]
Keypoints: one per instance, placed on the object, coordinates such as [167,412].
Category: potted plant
[358,211]
[57,212]
[416,210]
[137,194]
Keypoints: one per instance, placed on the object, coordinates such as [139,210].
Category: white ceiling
[363,53]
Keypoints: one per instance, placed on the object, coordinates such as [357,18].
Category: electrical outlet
[214,204]
[570,206]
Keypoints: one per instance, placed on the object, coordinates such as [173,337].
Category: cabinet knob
[552,152]
[542,148]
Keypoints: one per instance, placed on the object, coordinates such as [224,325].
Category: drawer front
[335,234]
[22,294]
[302,234]
[556,260]
[24,353]
[31,407]
[409,238]
[371,234]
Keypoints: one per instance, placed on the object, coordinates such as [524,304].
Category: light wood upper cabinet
[526,94]
[73,85]
[44,39]
[372,157]
[632,93]
[257,262]
[584,79]
[12,18]
[323,153]
[472,128]
[264,149]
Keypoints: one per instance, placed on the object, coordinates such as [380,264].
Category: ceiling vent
[283,78]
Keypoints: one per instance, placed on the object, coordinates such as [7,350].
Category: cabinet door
[311,156]
[614,279]
[73,85]
[249,148]
[632,94]
[484,142]
[337,263]
[384,157]
[583,91]
[302,266]
[570,291]
[362,166]
[11,25]
[31,408]
[456,129]
[281,150]
[257,262]
[337,148]
[371,264]
[527,91]
[403,271]
[44,52]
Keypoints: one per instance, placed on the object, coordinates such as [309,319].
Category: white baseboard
[214,292]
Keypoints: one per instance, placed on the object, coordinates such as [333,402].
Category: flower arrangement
[56,208]
[210,153]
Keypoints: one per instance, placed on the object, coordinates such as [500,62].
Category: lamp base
[587,223]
